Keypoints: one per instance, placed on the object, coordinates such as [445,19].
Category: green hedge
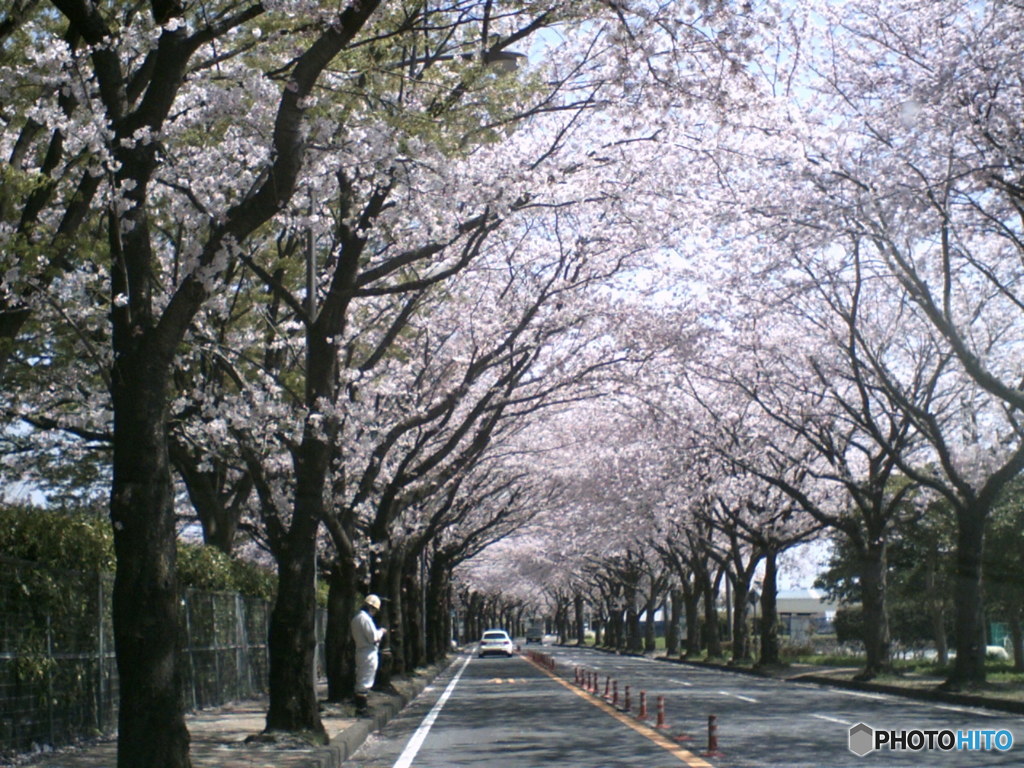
[69,539]
[82,540]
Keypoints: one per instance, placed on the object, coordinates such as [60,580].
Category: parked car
[496,642]
[535,633]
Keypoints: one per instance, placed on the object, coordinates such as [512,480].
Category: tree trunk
[146,607]
[399,627]
[437,611]
[219,507]
[613,633]
[711,628]
[634,637]
[339,649]
[448,626]
[416,642]
[672,640]
[471,621]
[386,581]
[876,620]
[769,612]
[936,606]
[650,631]
[692,599]
[566,628]
[728,611]
[413,611]
[292,638]
[969,666]
[740,630]
[578,605]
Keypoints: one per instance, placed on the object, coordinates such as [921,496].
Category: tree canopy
[629,298]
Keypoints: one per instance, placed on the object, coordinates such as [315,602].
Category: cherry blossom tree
[174,137]
[113,93]
[895,146]
[808,367]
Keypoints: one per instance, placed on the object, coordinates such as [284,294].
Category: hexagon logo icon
[862,739]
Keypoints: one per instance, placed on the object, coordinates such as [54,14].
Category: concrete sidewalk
[229,736]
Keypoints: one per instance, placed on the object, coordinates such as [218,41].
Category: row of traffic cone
[589,681]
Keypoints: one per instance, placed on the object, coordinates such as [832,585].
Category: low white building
[805,612]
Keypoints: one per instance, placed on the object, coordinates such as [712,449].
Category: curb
[385,706]
[946,697]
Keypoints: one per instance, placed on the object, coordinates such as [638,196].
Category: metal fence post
[49,675]
[243,681]
[100,656]
[215,641]
[187,606]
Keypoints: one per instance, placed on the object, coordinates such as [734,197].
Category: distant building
[805,612]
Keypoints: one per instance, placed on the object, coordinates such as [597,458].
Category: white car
[496,641]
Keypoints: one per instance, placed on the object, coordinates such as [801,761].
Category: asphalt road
[513,714]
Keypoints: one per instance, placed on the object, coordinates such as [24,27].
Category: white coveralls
[367,637]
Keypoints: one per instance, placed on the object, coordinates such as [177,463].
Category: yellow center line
[643,729]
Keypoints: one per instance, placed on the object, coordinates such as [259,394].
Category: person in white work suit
[367,636]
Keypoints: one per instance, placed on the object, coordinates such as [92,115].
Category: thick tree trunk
[416,641]
[969,666]
[339,649]
[580,628]
[471,621]
[292,641]
[386,581]
[650,633]
[151,722]
[292,637]
[740,630]
[770,654]
[876,620]
[437,610]
[613,637]
[397,621]
[634,636]
[565,625]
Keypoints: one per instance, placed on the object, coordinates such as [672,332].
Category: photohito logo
[865,739]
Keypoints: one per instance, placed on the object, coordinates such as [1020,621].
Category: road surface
[515,714]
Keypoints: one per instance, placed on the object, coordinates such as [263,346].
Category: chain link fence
[58,672]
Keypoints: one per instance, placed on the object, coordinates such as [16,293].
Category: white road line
[832,719]
[966,710]
[738,696]
[413,747]
[681,682]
